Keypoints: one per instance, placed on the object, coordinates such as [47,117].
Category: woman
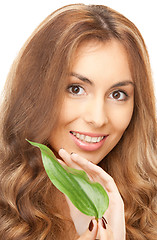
[81,85]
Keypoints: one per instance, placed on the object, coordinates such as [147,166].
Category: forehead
[109,58]
[94,45]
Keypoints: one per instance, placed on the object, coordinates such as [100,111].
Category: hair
[34,93]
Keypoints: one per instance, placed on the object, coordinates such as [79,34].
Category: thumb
[91,232]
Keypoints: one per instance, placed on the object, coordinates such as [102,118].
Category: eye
[119,95]
[76,90]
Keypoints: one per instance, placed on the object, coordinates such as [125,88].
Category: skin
[94,109]
[115,212]
[99,99]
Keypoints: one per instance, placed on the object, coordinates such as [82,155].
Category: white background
[18,19]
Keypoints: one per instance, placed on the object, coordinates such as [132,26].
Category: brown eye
[116,95]
[119,95]
[76,90]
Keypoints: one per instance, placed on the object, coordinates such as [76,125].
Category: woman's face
[98,103]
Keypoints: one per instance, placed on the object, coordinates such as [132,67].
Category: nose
[95,112]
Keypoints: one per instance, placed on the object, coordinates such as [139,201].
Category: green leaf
[89,197]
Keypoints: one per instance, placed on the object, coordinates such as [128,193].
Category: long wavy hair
[31,101]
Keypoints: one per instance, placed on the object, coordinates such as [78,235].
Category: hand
[115,212]
[92,232]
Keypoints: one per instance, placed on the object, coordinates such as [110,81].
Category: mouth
[88,141]
[87,138]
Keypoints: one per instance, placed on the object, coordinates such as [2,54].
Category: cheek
[121,118]
[70,110]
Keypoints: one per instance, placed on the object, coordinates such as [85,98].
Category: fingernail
[91,225]
[104,220]
[61,149]
[103,223]
[72,153]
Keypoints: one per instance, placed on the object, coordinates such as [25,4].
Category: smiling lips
[88,142]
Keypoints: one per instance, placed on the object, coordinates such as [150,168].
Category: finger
[91,232]
[96,172]
[67,158]
[104,230]
[61,162]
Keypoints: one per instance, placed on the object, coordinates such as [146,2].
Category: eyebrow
[82,78]
[122,83]
[85,79]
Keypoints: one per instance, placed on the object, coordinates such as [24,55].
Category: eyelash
[120,92]
[78,87]
[69,89]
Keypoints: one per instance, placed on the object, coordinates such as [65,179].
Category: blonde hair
[33,96]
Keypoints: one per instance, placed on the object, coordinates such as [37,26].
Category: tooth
[77,135]
[94,139]
[99,139]
[82,137]
[88,139]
